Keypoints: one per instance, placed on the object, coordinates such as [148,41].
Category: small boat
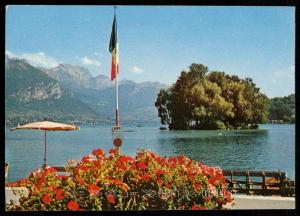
[162,128]
[116,128]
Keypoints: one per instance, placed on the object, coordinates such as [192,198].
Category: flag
[114,50]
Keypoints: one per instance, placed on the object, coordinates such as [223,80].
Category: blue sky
[158,42]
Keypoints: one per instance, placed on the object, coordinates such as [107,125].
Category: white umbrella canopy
[46,126]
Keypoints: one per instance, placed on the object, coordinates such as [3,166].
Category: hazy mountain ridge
[75,77]
[95,94]
[31,94]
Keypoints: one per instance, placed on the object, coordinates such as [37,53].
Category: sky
[156,43]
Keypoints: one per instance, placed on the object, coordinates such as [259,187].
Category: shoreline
[262,202]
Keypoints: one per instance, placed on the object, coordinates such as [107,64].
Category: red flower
[97,164]
[73,206]
[124,159]
[191,175]
[80,180]
[142,165]
[137,178]
[228,196]
[51,169]
[93,189]
[44,174]
[84,168]
[85,159]
[121,166]
[159,172]
[152,154]
[181,159]
[117,182]
[212,180]
[47,199]
[158,159]
[63,177]
[110,199]
[172,160]
[133,167]
[98,152]
[113,151]
[197,186]
[146,177]
[159,182]
[207,198]
[164,163]
[38,184]
[168,186]
[198,207]
[59,194]
[173,165]
[52,187]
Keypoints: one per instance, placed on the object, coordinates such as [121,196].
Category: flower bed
[120,182]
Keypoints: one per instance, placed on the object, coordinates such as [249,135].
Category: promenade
[262,202]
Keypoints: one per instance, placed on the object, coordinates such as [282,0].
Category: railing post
[248,182]
[264,187]
[282,184]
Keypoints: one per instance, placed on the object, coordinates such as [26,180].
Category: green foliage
[215,100]
[163,106]
[283,108]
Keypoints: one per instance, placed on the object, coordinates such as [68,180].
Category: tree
[283,108]
[215,100]
[163,106]
[210,108]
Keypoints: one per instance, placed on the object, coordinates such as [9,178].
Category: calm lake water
[272,147]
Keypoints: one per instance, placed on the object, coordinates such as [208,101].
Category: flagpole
[117,86]
[117,101]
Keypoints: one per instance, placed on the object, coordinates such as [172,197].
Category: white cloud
[292,68]
[89,61]
[137,70]
[39,59]
[10,54]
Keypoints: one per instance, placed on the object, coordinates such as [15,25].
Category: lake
[272,147]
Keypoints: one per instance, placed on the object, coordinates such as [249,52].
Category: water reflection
[228,149]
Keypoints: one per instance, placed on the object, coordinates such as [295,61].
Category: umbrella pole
[45,153]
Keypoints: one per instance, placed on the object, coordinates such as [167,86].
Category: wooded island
[211,100]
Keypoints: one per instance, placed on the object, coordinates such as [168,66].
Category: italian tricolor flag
[114,50]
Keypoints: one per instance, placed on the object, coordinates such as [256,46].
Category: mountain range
[70,93]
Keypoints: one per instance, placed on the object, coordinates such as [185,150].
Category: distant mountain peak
[19,63]
[126,81]
[30,93]
[74,70]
